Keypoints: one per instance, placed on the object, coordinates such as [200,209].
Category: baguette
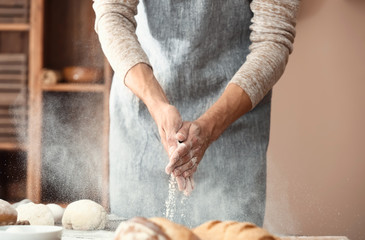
[153,229]
[173,230]
[230,230]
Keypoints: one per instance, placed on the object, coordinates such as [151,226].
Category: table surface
[77,235]
[108,235]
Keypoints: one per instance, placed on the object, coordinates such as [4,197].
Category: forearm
[233,103]
[116,27]
[272,37]
[141,81]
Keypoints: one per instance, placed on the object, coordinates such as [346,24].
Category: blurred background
[54,130]
[316,157]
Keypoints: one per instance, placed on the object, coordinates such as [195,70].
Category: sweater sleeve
[272,37]
[116,27]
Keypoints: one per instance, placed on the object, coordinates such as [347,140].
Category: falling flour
[170,203]
[183,214]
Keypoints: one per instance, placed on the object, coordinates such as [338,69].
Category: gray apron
[195,48]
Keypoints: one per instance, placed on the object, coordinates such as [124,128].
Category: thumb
[171,137]
[183,133]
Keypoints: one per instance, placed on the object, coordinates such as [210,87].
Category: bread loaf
[174,231]
[230,230]
[153,229]
[8,214]
[163,229]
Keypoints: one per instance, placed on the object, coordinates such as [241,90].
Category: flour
[183,201]
[172,199]
[170,203]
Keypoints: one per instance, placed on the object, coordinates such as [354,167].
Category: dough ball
[84,215]
[36,214]
[24,201]
[8,214]
[57,212]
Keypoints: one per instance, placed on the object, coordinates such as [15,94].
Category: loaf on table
[8,214]
[153,229]
[174,231]
[230,230]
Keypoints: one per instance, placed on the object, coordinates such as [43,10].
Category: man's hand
[188,154]
[168,121]
[200,133]
[144,85]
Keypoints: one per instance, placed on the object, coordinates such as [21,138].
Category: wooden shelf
[12,146]
[62,34]
[14,27]
[74,87]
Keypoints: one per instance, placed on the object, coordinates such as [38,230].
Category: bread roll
[153,229]
[139,229]
[173,230]
[8,214]
[230,230]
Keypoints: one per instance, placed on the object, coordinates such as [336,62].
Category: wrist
[208,125]
[158,109]
[233,103]
[142,82]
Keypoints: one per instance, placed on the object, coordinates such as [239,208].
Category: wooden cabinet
[68,123]
[14,51]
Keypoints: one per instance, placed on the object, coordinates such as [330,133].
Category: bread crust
[230,230]
[153,228]
[140,228]
[161,228]
[173,230]
[8,214]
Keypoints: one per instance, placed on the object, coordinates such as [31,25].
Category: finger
[183,133]
[186,159]
[186,166]
[181,150]
[190,172]
[189,188]
[192,181]
[181,183]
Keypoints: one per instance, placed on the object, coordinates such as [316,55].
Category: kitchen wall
[316,157]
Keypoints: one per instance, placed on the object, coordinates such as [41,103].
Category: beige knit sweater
[272,37]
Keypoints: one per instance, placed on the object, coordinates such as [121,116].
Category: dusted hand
[168,121]
[185,159]
[143,84]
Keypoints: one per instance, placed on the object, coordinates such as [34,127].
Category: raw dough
[84,215]
[36,214]
[8,214]
[24,201]
[57,212]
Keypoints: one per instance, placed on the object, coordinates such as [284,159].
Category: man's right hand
[169,122]
[141,81]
